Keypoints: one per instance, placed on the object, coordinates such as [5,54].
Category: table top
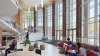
[22,53]
[3,47]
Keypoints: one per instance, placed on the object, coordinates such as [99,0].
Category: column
[53,21]
[64,19]
[0,34]
[78,20]
[34,21]
[46,20]
[43,21]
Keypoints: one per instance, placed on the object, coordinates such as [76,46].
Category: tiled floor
[50,50]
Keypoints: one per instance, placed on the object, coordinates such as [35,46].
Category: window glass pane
[74,18]
[91,20]
[71,19]
[74,6]
[91,41]
[58,21]
[92,3]
[40,20]
[93,23]
[92,12]
[74,12]
[49,22]
[98,8]
[98,1]
[98,34]
[91,34]
[74,35]
[70,35]
[74,1]
[27,18]
[91,30]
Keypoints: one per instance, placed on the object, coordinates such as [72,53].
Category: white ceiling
[7,8]
[32,3]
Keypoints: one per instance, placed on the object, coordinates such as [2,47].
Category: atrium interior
[50,27]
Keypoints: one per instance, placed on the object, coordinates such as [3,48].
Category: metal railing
[11,23]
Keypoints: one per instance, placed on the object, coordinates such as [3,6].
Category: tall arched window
[28,18]
[90,8]
[49,21]
[58,20]
[40,20]
[71,19]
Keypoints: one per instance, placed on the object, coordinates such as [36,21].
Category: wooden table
[22,53]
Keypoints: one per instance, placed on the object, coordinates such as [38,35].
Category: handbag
[38,51]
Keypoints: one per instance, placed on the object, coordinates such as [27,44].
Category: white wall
[35,36]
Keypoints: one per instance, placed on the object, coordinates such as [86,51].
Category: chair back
[90,53]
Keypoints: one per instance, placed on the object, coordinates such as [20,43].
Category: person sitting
[11,47]
[69,42]
[27,35]
[3,43]
[79,46]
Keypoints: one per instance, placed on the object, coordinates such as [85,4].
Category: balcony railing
[15,2]
[11,23]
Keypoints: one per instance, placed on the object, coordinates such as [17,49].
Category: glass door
[59,35]
[72,34]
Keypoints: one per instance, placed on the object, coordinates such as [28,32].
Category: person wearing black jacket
[79,46]
[27,36]
[11,47]
[3,43]
[27,41]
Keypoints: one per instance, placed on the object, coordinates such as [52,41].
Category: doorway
[59,35]
[72,34]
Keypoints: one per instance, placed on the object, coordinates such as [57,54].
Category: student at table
[79,46]
[69,42]
[12,46]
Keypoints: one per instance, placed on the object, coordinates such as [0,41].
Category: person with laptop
[12,46]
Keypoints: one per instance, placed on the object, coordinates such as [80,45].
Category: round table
[22,53]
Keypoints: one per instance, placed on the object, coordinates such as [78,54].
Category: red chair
[68,48]
[90,53]
[60,44]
